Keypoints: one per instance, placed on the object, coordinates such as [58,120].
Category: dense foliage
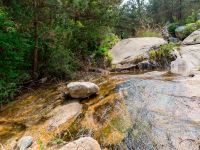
[14,56]
[188,28]
[147,17]
[162,11]
[42,38]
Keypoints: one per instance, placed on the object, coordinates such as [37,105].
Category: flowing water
[151,111]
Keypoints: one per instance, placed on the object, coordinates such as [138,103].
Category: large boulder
[193,38]
[85,143]
[188,60]
[182,67]
[191,53]
[82,89]
[24,143]
[129,50]
[128,53]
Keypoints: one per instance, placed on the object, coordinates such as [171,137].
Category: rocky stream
[150,111]
[156,110]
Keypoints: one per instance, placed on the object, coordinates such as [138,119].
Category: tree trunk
[36,39]
[180,10]
[172,11]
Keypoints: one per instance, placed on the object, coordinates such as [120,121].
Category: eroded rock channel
[154,110]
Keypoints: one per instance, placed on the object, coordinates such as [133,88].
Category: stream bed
[151,111]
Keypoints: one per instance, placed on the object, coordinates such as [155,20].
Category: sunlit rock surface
[193,38]
[130,49]
[86,143]
[182,66]
[82,89]
[188,60]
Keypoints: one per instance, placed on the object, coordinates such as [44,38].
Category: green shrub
[109,40]
[172,27]
[190,23]
[198,24]
[162,53]
[167,49]
[189,28]
[152,54]
[191,19]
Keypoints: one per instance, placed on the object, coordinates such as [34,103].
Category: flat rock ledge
[63,114]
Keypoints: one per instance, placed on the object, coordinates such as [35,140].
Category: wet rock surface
[151,111]
[63,114]
[165,112]
[52,119]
